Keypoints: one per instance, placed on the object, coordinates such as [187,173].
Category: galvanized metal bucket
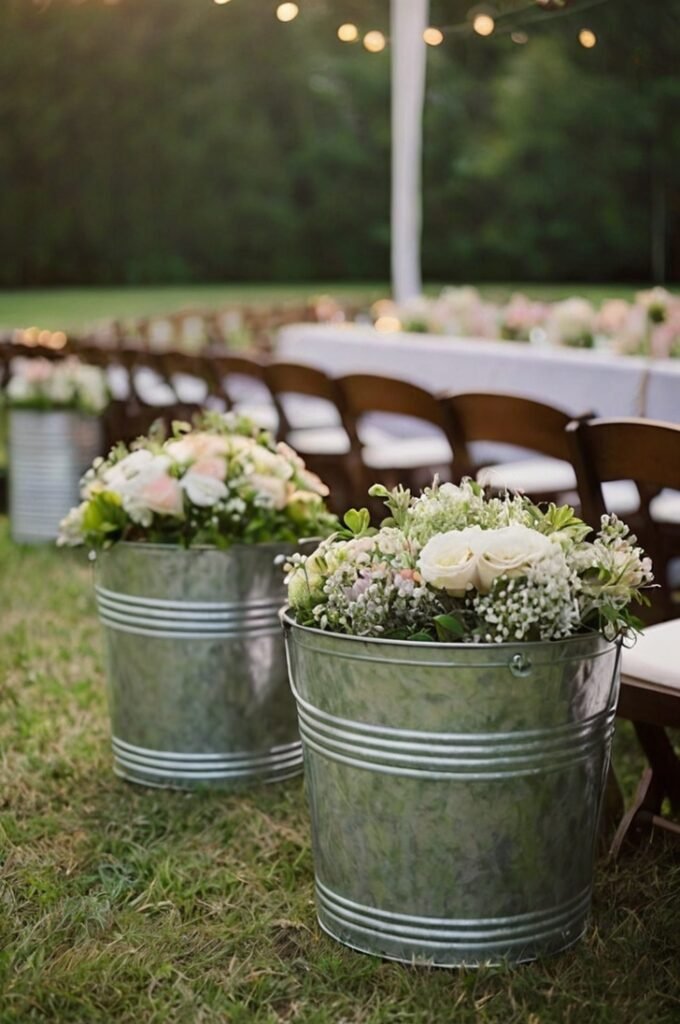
[198,688]
[455,790]
[48,454]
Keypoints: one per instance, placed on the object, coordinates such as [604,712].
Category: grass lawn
[76,308]
[150,907]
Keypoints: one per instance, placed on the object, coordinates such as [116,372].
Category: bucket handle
[520,665]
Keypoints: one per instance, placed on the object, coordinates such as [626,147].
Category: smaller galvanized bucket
[455,791]
[48,454]
[197,680]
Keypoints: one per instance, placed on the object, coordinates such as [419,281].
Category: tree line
[180,140]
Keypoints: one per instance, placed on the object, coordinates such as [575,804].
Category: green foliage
[180,140]
[449,628]
[104,516]
[358,523]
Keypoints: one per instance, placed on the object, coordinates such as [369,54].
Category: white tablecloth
[574,380]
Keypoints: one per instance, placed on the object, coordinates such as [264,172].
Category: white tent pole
[409,53]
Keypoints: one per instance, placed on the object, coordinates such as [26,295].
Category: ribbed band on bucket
[188,619]
[458,940]
[161,767]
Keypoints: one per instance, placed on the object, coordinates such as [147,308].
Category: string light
[519,37]
[348,33]
[587,38]
[374,42]
[221,1]
[433,36]
[483,24]
[287,12]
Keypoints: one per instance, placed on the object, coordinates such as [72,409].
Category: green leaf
[421,637]
[358,521]
[448,628]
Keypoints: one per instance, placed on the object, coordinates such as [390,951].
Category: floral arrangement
[224,481]
[454,565]
[648,326]
[57,384]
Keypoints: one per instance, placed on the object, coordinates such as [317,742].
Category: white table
[575,380]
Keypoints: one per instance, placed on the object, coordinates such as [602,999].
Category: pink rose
[211,466]
[164,496]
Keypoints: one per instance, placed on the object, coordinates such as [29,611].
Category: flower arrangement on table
[648,326]
[223,482]
[453,565]
[60,384]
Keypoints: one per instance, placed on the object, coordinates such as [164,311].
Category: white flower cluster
[452,564]
[225,480]
[60,384]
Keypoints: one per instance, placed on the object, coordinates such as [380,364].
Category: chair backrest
[644,451]
[227,367]
[240,381]
[363,394]
[507,419]
[288,379]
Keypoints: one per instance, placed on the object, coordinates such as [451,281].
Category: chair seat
[411,453]
[654,661]
[190,389]
[304,412]
[152,389]
[530,476]
[319,441]
[621,497]
[333,440]
[665,508]
[264,415]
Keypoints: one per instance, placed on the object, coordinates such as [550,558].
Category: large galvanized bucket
[198,688]
[455,790]
[48,454]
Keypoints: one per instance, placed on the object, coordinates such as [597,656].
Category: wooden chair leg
[662,758]
[646,802]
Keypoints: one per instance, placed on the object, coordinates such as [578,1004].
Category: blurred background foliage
[178,140]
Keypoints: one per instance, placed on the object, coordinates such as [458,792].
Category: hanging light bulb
[433,36]
[483,24]
[287,12]
[374,41]
[348,33]
[587,38]
[519,37]
[221,1]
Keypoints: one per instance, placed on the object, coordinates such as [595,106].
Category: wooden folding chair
[410,456]
[649,454]
[309,406]
[523,423]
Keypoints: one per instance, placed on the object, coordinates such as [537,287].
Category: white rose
[509,551]
[449,560]
[270,463]
[203,490]
[272,488]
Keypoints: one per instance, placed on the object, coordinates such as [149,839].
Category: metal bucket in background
[455,791]
[197,679]
[48,454]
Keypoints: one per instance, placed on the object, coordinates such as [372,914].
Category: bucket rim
[289,623]
[279,545]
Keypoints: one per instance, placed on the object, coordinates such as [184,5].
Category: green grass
[78,308]
[150,907]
